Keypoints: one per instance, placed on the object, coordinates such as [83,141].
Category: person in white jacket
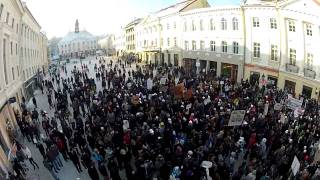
[26,151]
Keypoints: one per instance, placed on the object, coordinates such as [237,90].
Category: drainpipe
[244,38]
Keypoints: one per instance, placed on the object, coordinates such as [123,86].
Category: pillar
[218,70]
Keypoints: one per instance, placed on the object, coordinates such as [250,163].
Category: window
[223,24]
[212,46]
[273,23]
[235,48]
[292,26]
[12,25]
[194,45]
[201,25]
[309,61]
[211,24]
[12,71]
[7,18]
[256,50]
[274,52]
[201,45]
[4,56]
[185,27]
[1,9]
[168,26]
[224,46]
[292,56]
[16,49]
[11,48]
[168,41]
[235,24]
[309,29]
[175,41]
[193,26]
[255,22]
[186,45]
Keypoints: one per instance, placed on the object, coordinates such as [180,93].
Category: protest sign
[277,107]
[149,84]
[295,166]
[163,80]
[293,103]
[236,118]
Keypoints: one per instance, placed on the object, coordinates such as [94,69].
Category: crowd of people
[166,123]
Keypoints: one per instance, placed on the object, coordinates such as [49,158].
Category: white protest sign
[236,118]
[293,103]
[295,166]
[266,109]
[188,106]
[176,81]
[206,101]
[163,81]
[277,107]
[149,84]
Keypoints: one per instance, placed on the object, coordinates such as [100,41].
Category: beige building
[268,42]
[130,36]
[23,56]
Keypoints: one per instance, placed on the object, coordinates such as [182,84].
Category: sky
[99,17]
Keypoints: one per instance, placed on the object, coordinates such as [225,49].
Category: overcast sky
[57,17]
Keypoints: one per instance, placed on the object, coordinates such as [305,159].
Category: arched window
[235,24]
[201,25]
[193,26]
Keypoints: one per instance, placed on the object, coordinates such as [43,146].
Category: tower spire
[76,27]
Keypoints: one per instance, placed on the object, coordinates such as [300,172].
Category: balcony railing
[292,68]
[309,73]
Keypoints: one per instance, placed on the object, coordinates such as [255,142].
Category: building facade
[78,43]
[106,44]
[267,42]
[120,43]
[23,56]
[130,36]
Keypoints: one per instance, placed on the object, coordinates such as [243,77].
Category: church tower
[76,30]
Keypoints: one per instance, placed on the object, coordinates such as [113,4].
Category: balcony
[309,73]
[292,68]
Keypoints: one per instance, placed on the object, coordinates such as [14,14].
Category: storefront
[290,86]
[229,71]
[306,91]
[190,65]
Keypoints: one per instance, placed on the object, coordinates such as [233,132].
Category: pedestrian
[28,154]
[34,101]
[75,159]
[49,166]
[93,173]
[41,149]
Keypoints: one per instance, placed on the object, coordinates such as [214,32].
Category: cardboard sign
[293,103]
[236,118]
[163,81]
[149,84]
[178,90]
[277,107]
[295,166]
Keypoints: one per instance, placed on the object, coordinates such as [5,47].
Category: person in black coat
[93,173]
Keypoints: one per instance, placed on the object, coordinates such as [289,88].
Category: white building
[269,42]
[77,43]
[106,44]
[120,42]
[23,56]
